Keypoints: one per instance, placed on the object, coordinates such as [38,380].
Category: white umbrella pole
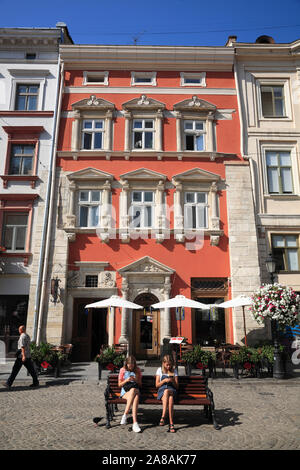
[111,321]
[244,325]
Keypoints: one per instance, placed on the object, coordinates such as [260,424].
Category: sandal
[162,421]
[171,428]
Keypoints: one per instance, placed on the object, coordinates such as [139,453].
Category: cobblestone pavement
[253,414]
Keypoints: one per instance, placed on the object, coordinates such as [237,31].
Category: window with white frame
[14,231]
[27,97]
[21,159]
[279,172]
[192,79]
[143,134]
[89,208]
[141,211]
[285,249]
[273,100]
[194,135]
[143,78]
[195,210]
[92,134]
[95,78]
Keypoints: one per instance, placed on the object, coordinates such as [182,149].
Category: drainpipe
[50,207]
[42,251]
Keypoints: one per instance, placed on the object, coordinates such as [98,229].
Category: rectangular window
[21,160]
[195,210]
[95,78]
[143,78]
[192,79]
[91,281]
[14,231]
[89,208]
[142,209]
[194,132]
[92,134]
[285,249]
[143,134]
[27,97]
[279,172]
[272,97]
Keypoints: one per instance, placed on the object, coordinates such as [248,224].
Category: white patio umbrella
[240,301]
[113,301]
[179,301]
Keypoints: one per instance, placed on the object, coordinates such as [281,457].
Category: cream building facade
[268,84]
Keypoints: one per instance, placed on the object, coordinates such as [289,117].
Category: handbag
[129,385]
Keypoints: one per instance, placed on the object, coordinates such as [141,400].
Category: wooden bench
[193,390]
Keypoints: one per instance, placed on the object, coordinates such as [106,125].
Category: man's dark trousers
[16,369]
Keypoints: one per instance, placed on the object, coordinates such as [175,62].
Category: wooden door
[89,330]
[147,334]
[82,325]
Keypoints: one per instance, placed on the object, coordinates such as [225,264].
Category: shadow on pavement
[182,419]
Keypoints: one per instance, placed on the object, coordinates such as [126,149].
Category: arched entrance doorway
[146,328]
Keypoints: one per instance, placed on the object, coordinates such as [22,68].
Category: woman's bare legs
[132,398]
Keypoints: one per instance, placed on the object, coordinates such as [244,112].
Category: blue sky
[159,22]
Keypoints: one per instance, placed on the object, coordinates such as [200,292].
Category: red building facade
[145,136]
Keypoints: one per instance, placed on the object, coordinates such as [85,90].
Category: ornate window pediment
[146,265]
[143,174]
[89,202]
[196,204]
[195,129]
[143,124]
[143,103]
[196,174]
[89,174]
[93,103]
[92,125]
[195,104]
[142,193]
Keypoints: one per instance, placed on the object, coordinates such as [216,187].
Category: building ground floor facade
[145,272]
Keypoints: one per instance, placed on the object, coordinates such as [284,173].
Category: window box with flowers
[109,359]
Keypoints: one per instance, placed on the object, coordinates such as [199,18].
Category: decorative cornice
[147,57]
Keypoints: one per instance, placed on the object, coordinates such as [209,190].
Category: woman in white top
[167,384]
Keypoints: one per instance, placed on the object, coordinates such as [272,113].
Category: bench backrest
[189,386]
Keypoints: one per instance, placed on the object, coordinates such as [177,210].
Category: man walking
[23,357]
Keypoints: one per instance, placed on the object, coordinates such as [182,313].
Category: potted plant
[247,359]
[198,359]
[46,358]
[109,359]
[280,305]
